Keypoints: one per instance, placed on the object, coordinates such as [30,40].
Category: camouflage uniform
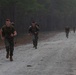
[67,30]
[9,41]
[34,31]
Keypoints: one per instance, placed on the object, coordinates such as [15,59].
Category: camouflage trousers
[9,44]
[67,34]
[35,40]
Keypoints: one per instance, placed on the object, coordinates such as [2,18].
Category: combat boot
[35,47]
[7,55]
[11,59]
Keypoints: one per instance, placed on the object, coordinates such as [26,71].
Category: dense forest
[49,14]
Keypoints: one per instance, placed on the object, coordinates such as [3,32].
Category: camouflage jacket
[7,31]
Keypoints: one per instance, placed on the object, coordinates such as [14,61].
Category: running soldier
[8,33]
[67,30]
[34,29]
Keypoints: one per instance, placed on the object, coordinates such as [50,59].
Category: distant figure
[74,29]
[34,30]
[8,33]
[67,30]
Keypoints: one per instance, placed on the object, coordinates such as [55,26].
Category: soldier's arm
[14,32]
[29,29]
[2,34]
[37,27]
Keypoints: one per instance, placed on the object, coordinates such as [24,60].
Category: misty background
[51,15]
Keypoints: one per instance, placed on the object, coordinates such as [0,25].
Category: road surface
[54,56]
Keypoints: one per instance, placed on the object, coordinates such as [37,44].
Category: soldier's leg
[36,41]
[33,44]
[7,48]
[67,34]
[11,53]
[33,38]
[11,49]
